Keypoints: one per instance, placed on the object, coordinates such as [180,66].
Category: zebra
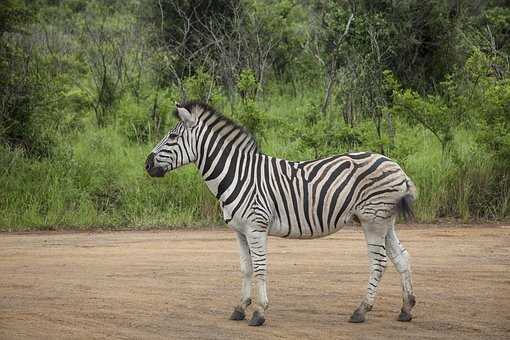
[262,195]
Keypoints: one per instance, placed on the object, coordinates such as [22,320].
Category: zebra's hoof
[257,319]
[357,317]
[237,314]
[405,316]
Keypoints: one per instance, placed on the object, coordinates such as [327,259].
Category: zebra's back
[316,198]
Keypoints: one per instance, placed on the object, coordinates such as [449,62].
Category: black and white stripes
[262,195]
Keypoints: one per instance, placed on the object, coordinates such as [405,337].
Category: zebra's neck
[226,155]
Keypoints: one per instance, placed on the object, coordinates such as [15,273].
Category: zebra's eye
[173,136]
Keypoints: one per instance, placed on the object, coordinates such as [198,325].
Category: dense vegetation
[87,87]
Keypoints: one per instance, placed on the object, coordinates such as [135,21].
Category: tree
[26,89]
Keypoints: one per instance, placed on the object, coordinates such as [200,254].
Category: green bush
[98,181]
[87,88]
[202,86]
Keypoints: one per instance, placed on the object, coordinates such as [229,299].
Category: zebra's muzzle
[153,171]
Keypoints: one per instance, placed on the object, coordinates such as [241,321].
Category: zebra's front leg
[239,312]
[257,241]
[375,234]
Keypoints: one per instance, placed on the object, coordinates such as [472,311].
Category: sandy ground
[184,284]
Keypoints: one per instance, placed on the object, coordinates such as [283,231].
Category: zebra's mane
[201,108]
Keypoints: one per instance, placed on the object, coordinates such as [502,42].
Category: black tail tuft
[403,207]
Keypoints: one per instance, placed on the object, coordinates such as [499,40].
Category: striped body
[262,195]
[313,198]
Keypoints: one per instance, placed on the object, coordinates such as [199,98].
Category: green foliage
[498,19]
[145,118]
[252,118]
[464,184]
[285,22]
[247,85]
[325,136]
[93,182]
[248,113]
[27,95]
[488,101]
[14,15]
[473,96]
[87,87]
[429,111]
[202,86]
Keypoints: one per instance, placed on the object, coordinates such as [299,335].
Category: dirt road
[184,284]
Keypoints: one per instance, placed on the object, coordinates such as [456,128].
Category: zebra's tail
[404,204]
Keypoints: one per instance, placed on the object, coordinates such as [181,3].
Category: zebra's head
[176,148]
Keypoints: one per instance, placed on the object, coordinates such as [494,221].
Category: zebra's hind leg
[400,258]
[239,312]
[375,234]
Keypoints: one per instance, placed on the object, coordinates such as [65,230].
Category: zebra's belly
[305,232]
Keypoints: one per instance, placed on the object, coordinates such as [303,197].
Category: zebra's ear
[185,116]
